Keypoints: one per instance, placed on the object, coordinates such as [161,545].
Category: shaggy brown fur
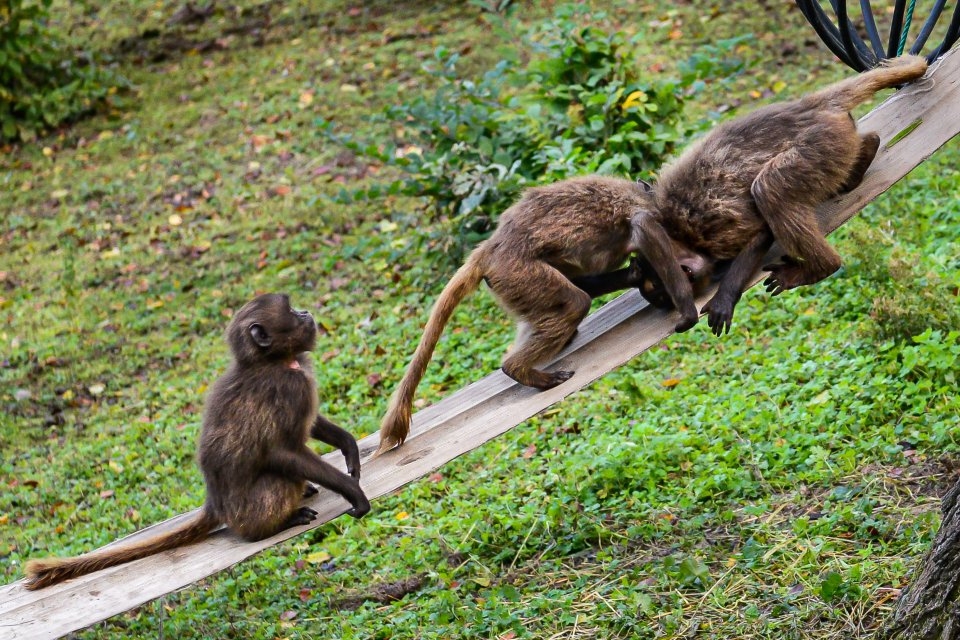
[253,447]
[758,178]
[576,227]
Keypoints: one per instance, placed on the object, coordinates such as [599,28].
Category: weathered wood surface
[463,421]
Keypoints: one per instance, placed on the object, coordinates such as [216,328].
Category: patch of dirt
[383,593]
[187,31]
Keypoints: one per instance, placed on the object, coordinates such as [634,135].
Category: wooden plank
[487,408]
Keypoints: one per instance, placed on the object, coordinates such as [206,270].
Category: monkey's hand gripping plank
[253,446]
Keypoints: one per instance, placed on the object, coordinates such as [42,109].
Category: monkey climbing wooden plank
[912,125]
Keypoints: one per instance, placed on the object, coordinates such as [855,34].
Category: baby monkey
[253,445]
[573,228]
[758,179]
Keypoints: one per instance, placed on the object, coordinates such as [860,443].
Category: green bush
[909,295]
[41,84]
[579,106]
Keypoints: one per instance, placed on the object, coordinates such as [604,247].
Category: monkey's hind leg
[550,309]
[271,505]
[783,199]
[869,145]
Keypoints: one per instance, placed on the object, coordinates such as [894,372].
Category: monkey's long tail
[49,571]
[396,423]
[847,94]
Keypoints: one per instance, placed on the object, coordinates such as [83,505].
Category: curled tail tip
[386,444]
[38,574]
[912,63]
[905,60]
[393,431]
[36,582]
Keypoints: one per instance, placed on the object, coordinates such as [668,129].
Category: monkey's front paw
[352,458]
[310,490]
[687,321]
[719,315]
[360,508]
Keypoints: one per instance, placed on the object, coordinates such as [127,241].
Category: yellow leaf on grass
[403,515]
[633,100]
[317,557]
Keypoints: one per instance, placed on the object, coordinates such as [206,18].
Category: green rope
[906,27]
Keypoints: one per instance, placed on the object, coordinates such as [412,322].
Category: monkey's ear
[260,335]
[646,186]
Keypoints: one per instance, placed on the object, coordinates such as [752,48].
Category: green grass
[785,488]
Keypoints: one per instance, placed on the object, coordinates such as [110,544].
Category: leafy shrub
[579,106]
[41,86]
[910,297]
[933,356]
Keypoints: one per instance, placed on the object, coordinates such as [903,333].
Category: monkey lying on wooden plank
[758,179]
[253,446]
[577,227]
[751,181]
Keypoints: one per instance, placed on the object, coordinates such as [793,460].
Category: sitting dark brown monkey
[253,447]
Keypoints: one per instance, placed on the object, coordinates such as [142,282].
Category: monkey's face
[698,269]
[268,328]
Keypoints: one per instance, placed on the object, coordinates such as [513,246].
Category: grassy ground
[784,488]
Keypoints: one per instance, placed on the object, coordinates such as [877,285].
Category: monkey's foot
[784,276]
[310,490]
[540,379]
[790,275]
[303,515]
[559,377]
